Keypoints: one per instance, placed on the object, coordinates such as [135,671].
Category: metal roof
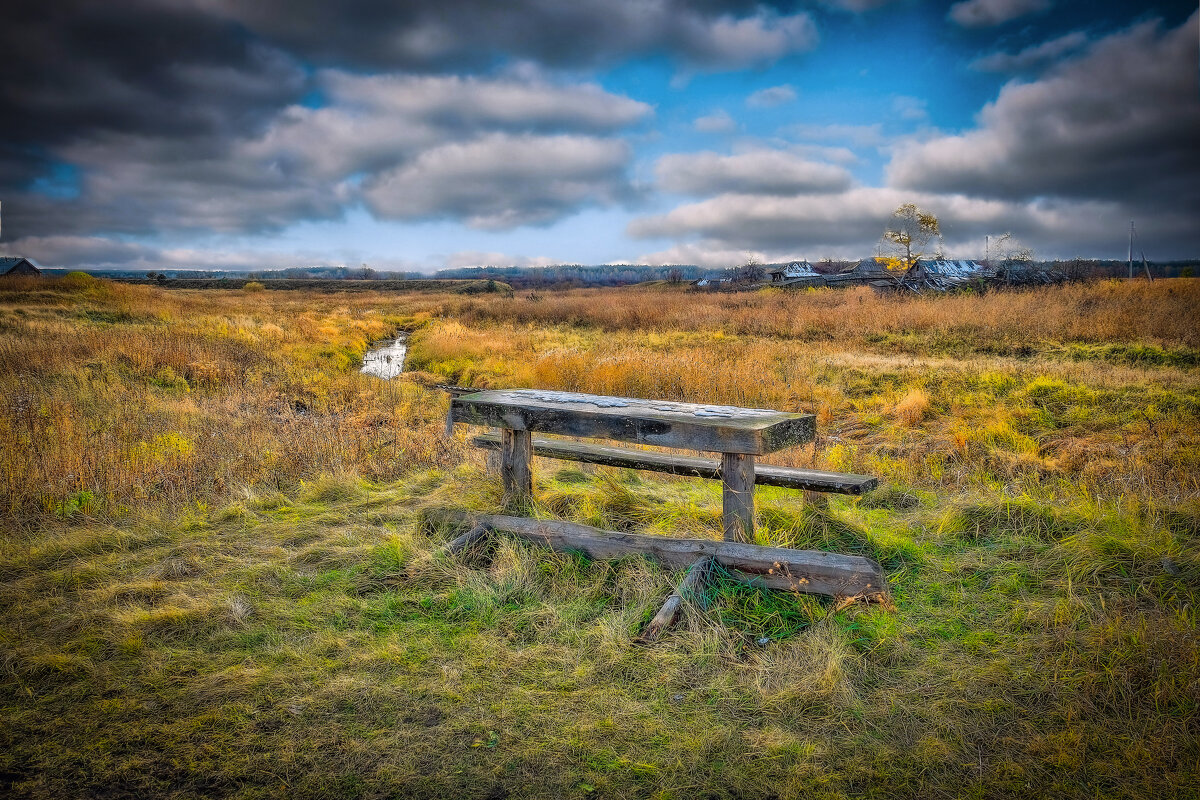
[13,263]
[952,269]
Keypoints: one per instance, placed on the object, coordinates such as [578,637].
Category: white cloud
[1034,56]
[101,253]
[717,122]
[470,102]
[836,155]
[762,38]
[378,133]
[857,135]
[771,97]
[756,172]
[373,122]
[988,13]
[420,35]
[857,6]
[502,181]
[479,258]
[710,255]
[847,224]
[909,108]
[1118,123]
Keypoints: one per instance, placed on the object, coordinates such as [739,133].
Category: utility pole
[1131,249]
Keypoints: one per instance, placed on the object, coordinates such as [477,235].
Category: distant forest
[578,275]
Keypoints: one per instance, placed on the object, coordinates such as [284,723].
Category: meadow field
[219,567]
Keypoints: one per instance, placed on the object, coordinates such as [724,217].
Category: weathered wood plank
[688,426]
[691,588]
[689,466]
[807,571]
[516,463]
[737,497]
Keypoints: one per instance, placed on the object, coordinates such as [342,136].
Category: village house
[16,265]
[796,273]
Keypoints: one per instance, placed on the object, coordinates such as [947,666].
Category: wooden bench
[740,435]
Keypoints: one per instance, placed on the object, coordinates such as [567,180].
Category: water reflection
[386,359]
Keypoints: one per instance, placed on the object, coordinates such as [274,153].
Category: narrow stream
[386,359]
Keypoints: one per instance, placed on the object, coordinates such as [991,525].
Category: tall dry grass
[114,397]
[1113,311]
[1043,424]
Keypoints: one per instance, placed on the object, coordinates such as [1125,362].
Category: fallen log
[806,571]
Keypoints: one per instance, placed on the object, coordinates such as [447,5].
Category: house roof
[796,268]
[953,269]
[17,264]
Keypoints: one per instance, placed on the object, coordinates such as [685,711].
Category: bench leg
[737,496]
[493,456]
[516,463]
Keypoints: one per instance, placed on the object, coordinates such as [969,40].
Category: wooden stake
[737,496]
[469,538]
[691,588]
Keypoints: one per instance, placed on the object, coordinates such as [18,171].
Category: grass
[215,581]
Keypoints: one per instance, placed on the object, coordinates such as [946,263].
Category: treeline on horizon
[580,275]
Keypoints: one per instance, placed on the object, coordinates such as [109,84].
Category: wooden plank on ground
[687,426]
[807,571]
[461,543]
[691,588]
[690,466]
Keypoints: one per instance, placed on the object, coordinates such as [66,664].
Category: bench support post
[737,496]
[516,463]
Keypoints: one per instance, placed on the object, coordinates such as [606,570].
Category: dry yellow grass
[114,397]
[1000,321]
[913,407]
[251,617]
[1042,423]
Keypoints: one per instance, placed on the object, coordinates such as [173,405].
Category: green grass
[316,645]
[222,577]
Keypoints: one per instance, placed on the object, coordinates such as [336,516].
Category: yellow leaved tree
[908,232]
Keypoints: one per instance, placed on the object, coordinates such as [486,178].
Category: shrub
[913,407]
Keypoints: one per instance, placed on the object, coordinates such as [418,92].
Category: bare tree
[751,272]
[907,234]
[1009,256]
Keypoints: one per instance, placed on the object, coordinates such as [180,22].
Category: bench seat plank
[687,426]
[690,466]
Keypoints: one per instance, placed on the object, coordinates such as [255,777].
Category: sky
[416,135]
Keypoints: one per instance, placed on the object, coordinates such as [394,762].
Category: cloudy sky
[418,134]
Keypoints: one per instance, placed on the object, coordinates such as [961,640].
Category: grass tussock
[221,570]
